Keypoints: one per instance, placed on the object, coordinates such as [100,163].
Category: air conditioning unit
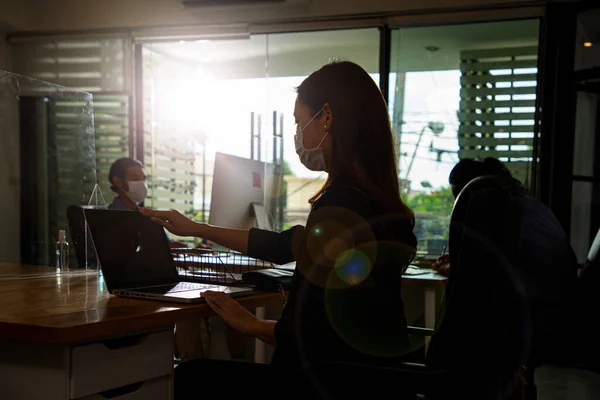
[216,11]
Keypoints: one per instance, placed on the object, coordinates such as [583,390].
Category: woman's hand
[204,248]
[232,312]
[177,245]
[442,265]
[173,221]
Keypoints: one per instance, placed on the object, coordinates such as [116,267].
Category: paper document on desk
[416,271]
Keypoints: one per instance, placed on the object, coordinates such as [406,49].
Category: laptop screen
[133,251]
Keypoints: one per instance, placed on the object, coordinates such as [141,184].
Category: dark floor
[558,383]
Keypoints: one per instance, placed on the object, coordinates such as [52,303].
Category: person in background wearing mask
[128,181]
[345,302]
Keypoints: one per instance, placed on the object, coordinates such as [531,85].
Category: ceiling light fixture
[588,44]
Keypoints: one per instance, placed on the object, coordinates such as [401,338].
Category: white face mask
[137,191]
[313,159]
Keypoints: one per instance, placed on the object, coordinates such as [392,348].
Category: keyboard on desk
[208,276]
[174,288]
[414,270]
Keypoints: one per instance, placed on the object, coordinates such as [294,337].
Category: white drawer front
[101,366]
[154,389]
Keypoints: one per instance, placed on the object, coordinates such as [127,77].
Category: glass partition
[100,66]
[48,164]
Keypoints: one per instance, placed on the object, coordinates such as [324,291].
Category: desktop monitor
[238,197]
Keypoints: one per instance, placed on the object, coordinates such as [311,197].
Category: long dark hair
[363,151]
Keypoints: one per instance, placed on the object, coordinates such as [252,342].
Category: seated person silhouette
[547,261]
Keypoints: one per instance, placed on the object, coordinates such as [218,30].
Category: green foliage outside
[432,217]
[438,202]
[287,171]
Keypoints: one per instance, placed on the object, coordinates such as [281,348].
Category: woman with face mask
[345,302]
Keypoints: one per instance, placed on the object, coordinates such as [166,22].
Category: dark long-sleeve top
[549,263]
[345,303]
[117,204]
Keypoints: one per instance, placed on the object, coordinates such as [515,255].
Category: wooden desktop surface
[425,277]
[38,305]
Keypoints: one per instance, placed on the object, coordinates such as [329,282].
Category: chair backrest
[482,331]
[588,304]
[86,255]
[589,276]
[593,257]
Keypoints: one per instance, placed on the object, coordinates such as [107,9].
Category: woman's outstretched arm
[178,224]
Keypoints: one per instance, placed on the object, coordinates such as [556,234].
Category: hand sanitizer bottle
[62,253]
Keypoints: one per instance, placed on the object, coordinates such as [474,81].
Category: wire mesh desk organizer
[225,267]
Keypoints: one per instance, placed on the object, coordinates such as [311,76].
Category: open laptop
[136,260]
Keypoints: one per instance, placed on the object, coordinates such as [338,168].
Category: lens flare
[352,266]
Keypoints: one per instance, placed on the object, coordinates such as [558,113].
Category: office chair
[480,344]
[587,307]
[589,270]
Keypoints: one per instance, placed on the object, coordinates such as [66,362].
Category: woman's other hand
[442,265]
[204,248]
[232,312]
[177,245]
[173,221]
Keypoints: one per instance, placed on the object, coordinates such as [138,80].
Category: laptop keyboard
[180,287]
[183,286]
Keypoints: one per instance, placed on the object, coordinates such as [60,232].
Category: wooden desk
[429,281]
[65,337]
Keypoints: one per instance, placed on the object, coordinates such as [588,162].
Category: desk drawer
[101,366]
[154,389]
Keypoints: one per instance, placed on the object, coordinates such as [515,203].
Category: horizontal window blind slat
[486,142]
[465,153]
[486,104]
[470,117]
[497,65]
[485,91]
[472,129]
[483,79]
[500,52]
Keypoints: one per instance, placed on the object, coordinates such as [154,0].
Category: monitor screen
[238,193]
